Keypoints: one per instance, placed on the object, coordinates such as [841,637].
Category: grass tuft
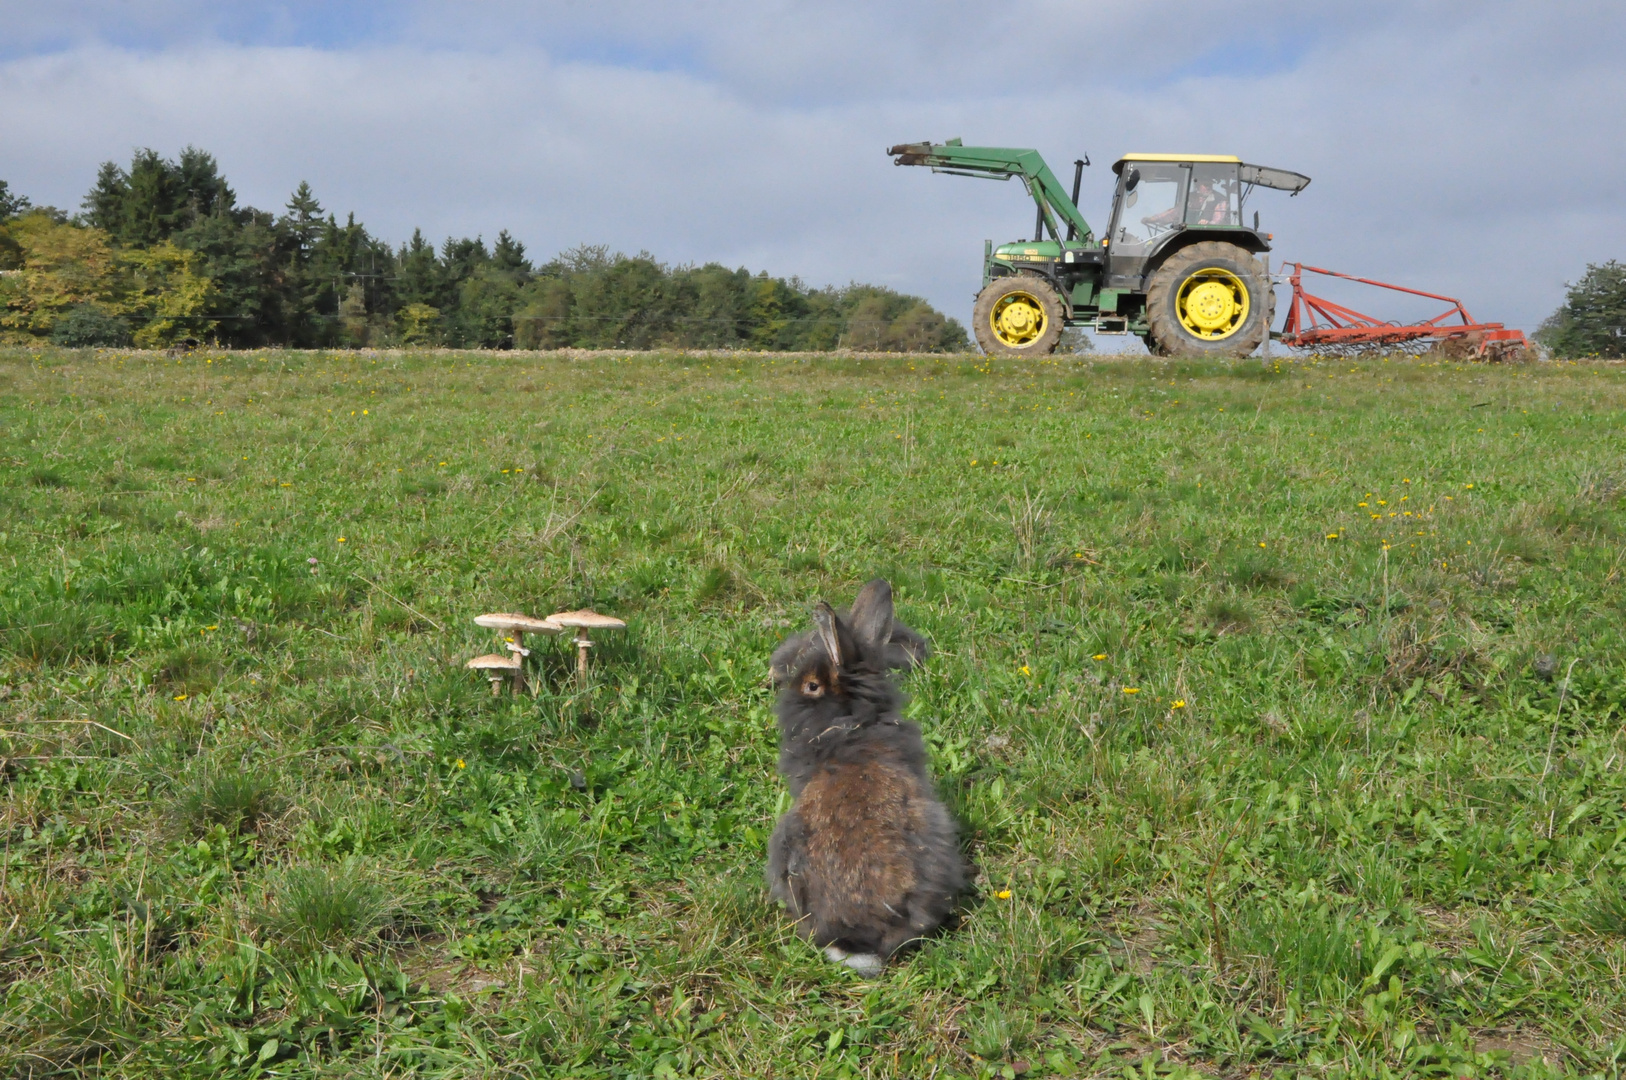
[236,798]
[311,908]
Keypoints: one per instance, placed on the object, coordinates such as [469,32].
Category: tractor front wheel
[1209,299]
[1020,315]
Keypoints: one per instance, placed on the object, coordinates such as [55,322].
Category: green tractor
[1177,266]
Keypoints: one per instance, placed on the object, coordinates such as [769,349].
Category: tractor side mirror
[1132,180]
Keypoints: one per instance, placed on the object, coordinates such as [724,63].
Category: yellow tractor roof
[1118,166]
[1280,179]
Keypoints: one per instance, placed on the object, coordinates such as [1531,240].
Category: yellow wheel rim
[1212,304]
[1018,319]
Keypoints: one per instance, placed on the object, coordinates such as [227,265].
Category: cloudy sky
[1472,148]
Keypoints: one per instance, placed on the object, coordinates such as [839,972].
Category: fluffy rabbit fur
[867,859]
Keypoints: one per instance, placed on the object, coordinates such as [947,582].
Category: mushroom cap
[494,662]
[507,620]
[587,619]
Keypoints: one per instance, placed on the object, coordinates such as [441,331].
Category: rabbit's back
[874,861]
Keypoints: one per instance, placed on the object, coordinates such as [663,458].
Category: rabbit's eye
[812,687]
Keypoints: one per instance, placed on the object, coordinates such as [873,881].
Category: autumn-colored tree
[62,267]
[168,295]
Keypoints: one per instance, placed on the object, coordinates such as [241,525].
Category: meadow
[1281,703]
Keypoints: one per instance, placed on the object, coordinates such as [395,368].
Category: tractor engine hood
[1030,251]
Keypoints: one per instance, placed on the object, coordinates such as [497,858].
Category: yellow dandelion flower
[1179,703]
[1332,536]
[180,697]
[1131,689]
[1003,894]
[460,764]
[1024,670]
[1099,656]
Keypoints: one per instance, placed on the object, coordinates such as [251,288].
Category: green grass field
[1282,705]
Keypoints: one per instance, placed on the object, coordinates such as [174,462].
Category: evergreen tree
[206,192]
[419,277]
[1592,321]
[157,197]
[238,254]
[154,202]
[508,256]
[104,204]
[302,223]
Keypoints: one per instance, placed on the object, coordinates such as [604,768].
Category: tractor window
[1213,199]
[1152,207]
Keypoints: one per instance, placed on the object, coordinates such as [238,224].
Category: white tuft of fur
[866,964]
[835,954]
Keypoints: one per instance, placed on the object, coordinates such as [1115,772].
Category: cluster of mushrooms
[514,627]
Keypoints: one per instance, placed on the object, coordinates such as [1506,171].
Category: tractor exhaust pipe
[1078,178]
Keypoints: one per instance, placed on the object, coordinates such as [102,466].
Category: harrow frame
[1316,322]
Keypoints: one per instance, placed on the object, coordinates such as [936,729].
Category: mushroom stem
[583,643]
[517,647]
[496,683]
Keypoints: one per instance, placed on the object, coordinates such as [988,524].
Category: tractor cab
[1163,200]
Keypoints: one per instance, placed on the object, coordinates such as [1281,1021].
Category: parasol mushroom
[514,627]
[582,622]
[497,666]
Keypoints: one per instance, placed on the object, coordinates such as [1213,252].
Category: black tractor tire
[1018,315]
[1237,319]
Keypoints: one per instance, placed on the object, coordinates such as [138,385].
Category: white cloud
[1469,149]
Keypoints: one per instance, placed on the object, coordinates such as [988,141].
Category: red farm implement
[1314,322]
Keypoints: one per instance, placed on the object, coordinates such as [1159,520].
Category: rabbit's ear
[872,615]
[906,649]
[827,632]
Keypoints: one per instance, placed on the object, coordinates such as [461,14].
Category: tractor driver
[1208,204]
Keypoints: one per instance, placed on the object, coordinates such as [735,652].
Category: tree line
[161,252]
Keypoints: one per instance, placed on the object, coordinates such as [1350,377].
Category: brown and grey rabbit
[867,859]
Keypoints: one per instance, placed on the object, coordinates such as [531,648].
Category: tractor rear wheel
[1209,299]
[1020,315]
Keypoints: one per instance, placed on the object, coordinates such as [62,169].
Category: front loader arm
[1001,163]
